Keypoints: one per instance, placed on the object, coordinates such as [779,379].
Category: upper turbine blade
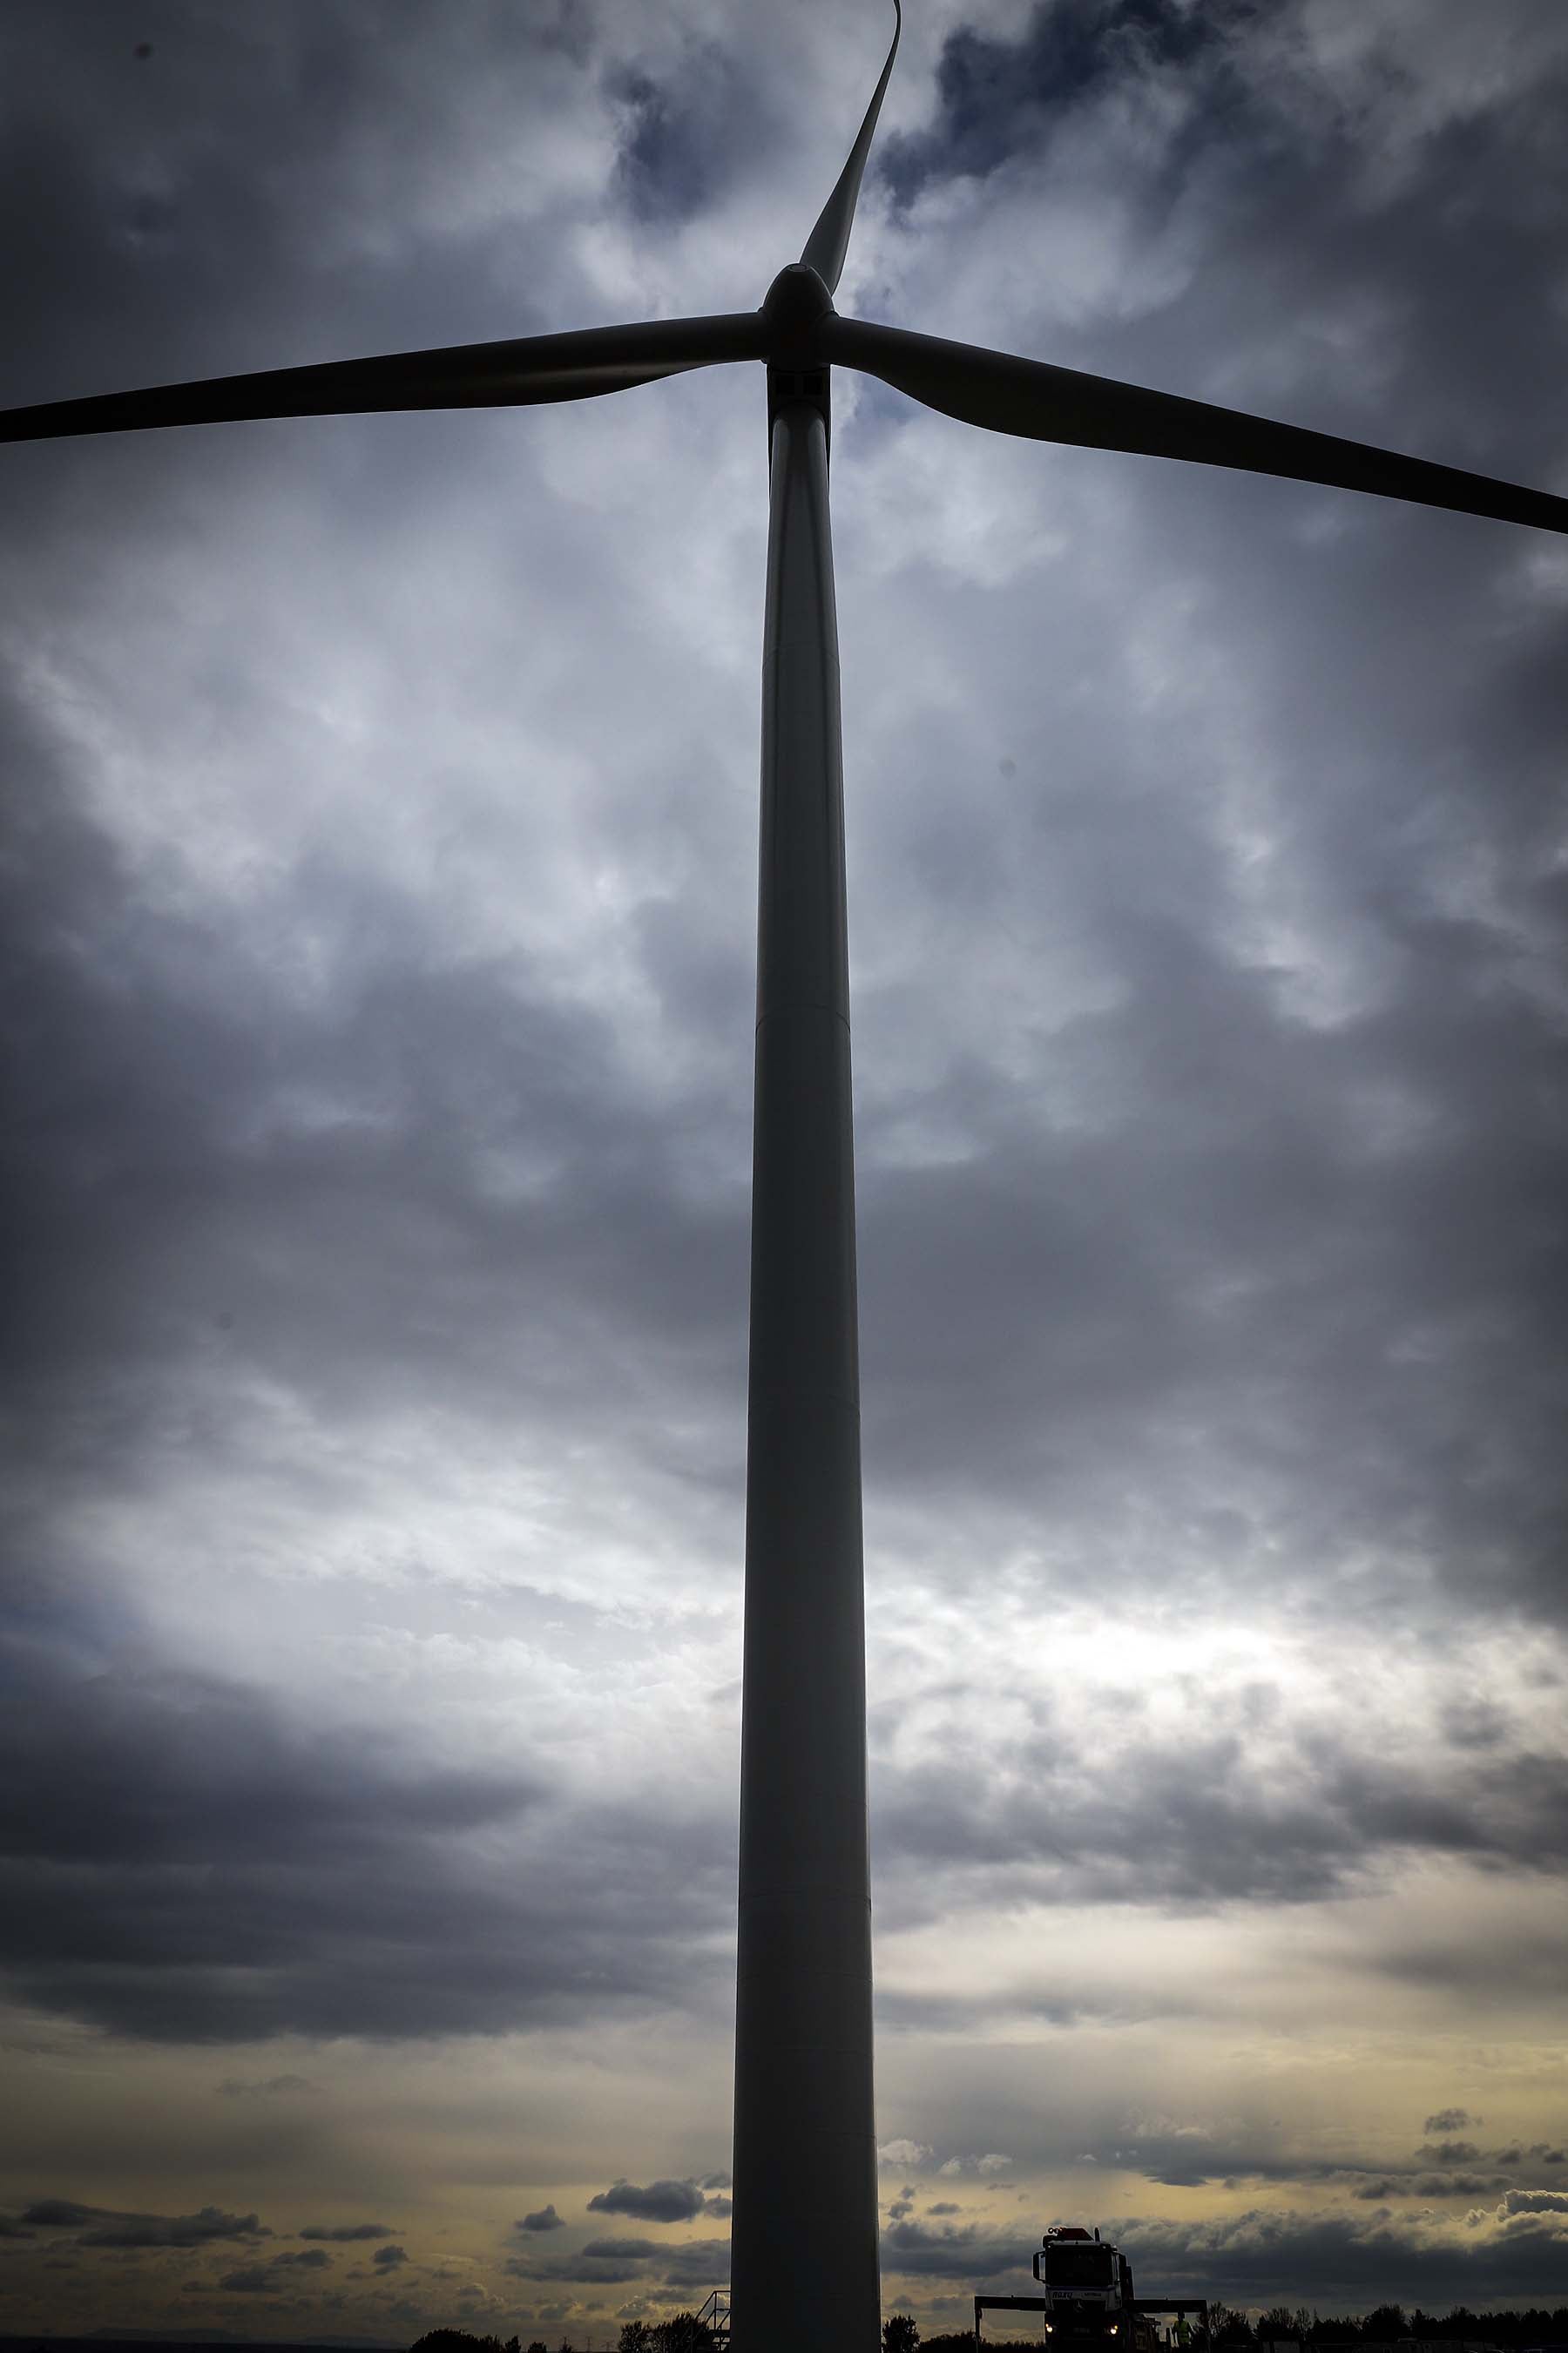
[467,375]
[1052,404]
[829,240]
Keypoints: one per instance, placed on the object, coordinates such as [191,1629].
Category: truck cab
[1088,2290]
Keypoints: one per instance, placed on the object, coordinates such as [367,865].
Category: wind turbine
[804,2234]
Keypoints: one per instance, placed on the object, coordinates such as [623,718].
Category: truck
[1087,2291]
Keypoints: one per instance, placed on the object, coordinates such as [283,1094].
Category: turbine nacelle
[793,312]
[794,306]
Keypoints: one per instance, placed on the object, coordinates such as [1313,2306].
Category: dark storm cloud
[108,2229]
[965,2251]
[1186,1821]
[389,2259]
[589,2271]
[1355,1269]
[252,2279]
[661,2201]
[1426,2186]
[545,2219]
[1313,1269]
[342,2233]
[168,1179]
[192,1867]
[1268,2256]
[687,133]
[1359,1275]
[154,214]
[997,98]
[1450,2120]
[701,2263]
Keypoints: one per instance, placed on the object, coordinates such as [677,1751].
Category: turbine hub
[793,305]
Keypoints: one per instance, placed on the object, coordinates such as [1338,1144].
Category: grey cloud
[1450,2120]
[1261,2257]
[1191,1243]
[699,2263]
[589,2271]
[614,2262]
[107,2228]
[965,2250]
[1454,2185]
[1000,99]
[309,2258]
[270,2086]
[146,1776]
[544,2218]
[715,2181]
[11,2229]
[1427,2187]
[252,2279]
[661,2201]
[1448,2152]
[1535,2202]
[388,2259]
[343,2233]
[681,138]
[1182,1817]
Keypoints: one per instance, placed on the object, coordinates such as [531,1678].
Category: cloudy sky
[379,866]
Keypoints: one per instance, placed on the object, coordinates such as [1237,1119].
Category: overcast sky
[379,866]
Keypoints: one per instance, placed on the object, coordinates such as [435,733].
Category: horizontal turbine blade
[1008,395]
[829,240]
[467,375]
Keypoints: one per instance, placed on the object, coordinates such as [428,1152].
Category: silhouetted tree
[900,2333]
[460,2340]
[1281,2321]
[1228,2329]
[1384,2325]
[684,2334]
[635,2336]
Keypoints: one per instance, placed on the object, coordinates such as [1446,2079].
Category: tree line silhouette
[1229,2332]
[682,2334]
[1387,2324]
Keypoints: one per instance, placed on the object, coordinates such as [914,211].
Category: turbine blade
[829,240]
[513,374]
[1008,395]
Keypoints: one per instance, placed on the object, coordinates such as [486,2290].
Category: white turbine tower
[805,2232]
